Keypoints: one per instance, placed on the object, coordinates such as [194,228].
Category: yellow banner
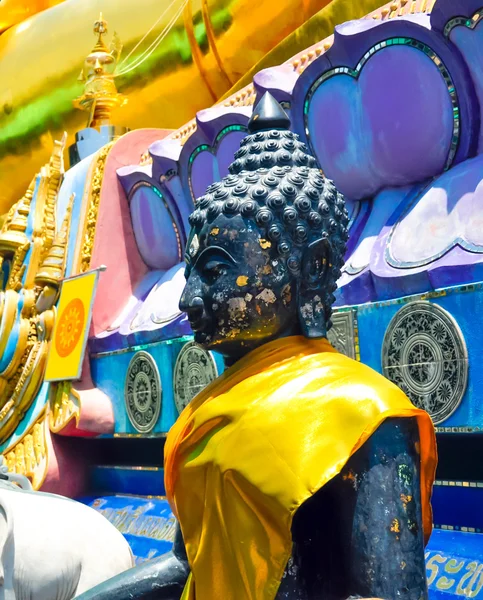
[71,328]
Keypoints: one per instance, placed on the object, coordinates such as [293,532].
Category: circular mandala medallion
[424,353]
[70,328]
[142,392]
[195,368]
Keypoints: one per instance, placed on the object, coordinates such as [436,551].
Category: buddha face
[239,294]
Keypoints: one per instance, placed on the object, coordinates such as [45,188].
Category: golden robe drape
[257,443]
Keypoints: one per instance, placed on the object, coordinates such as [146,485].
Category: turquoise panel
[109,373]
[464,303]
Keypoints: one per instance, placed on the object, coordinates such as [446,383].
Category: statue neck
[234,357]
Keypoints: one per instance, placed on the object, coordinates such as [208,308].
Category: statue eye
[213,269]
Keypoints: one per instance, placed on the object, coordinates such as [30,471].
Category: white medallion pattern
[424,353]
[195,368]
[142,392]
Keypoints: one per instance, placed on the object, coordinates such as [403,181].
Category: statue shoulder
[368,381]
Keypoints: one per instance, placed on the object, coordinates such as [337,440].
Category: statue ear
[310,301]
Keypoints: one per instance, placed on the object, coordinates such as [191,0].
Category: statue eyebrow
[214,251]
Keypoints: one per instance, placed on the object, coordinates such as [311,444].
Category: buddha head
[266,245]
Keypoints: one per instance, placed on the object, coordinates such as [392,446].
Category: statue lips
[198,320]
[196,313]
[197,324]
[201,336]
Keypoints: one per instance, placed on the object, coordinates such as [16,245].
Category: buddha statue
[298,474]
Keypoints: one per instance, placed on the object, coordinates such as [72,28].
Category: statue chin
[203,339]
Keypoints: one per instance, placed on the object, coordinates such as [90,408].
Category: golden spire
[13,235]
[53,172]
[100,95]
[52,268]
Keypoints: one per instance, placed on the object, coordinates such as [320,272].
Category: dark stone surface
[361,536]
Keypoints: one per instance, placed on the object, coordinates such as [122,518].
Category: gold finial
[52,269]
[100,28]
[100,95]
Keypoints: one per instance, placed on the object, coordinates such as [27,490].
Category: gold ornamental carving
[52,269]
[44,222]
[94,199]
[28,294]
[65,405]
[100,95]
[33,254]
[29,455]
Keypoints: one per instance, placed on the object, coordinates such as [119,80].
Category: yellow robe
[257,443]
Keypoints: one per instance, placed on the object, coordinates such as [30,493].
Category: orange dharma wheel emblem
[70,328]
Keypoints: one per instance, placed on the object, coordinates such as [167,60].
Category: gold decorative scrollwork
[64,406]
[93,207]
[44,223]
[27,301]
[64,400]
[33,251]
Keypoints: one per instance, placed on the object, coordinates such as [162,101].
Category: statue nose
[196,307]
[193,306]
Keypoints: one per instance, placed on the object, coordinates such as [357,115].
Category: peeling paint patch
[242,280]
[413,526]
[287,294]
[307,312]
[318,307]
[267,296]
[233,332]
[264,243]
[236,308]
[350,476]
[405,500]
[395,528]
[405,475]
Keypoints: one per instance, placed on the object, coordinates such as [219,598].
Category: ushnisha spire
[268,114]
[270,143]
